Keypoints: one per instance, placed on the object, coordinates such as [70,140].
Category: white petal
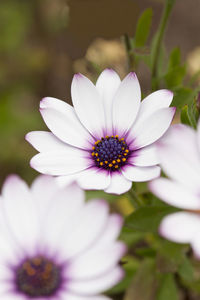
[95,263]
[96,285]
[66,205]
[44,188]
[63,122]
[9,250]
[66,295]
[44,141]
[107,85]
[60,163]
[119,184]
[89,226]
[180,165]
[153,102]
[93,178]
[174,193]
[126,103]
[20,211]
[145,157]
[140,174]
[180,227]
[112,231]
[88,105]
[68,179]
[198,135]
[152,128]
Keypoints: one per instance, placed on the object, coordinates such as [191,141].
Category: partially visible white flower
[179,153]
[107,140]
[53,245]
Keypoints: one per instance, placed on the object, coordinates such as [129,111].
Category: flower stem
[156,48]
[134,199]
[131,62]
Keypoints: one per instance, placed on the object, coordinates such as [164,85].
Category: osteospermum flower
[53,245]
[107,140]
[179,153]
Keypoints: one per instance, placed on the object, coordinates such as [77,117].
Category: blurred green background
[44,42]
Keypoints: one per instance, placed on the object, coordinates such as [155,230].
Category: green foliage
[143,28]
[167,289]
[148,218]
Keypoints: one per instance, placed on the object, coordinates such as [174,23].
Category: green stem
[130,54]
[158,41]
[134,199]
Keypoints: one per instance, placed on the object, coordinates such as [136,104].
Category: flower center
[110,153]
[38,277]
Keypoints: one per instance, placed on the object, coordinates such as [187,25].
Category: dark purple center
[38,277]
[110,153]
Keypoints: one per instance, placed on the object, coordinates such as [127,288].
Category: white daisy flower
[54,245]
[179,153]
[106,140]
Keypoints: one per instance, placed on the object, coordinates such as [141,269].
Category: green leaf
[143,28]
[183,96]
[185,118]
[175,71]
[147,219]
[189,114]
[143,286]
[167,289]
[186,270]
[174,59]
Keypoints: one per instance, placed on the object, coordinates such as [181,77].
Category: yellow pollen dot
[29,270]
[107,136]
[112,136]
[126,150]
[37,261]
[116,166]
[123,159]
[125,154]
[97,142]
[110,165]
[123,148]
[101,163]
[48,267]
[93,148]
[102,138]
[93,154]
[124,143]
[122,139]
[114,162]
[96,154]
[119,155]
[106,162]
[118,160]
[116,136]
[98,159]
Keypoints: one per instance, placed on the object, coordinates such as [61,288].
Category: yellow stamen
[114,162]
[96,154]
[106,162]
[116,166]
[110,165]
[93,154]
[107,136]
[101,163]
[118,160]
[126,150]
[98,159]
[123,159]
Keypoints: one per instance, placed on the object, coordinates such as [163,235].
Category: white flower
[107,140]
[55,246]
[179,153]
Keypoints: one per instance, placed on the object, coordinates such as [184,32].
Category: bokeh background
[44,42]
